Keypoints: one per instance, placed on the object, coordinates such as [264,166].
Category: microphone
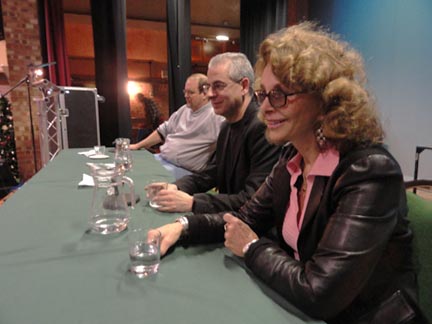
[35,71]
[39,66]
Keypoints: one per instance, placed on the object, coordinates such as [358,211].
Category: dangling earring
[320,138]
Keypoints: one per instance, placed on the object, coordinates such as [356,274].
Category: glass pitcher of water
[109,209]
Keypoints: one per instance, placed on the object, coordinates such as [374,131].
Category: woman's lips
[275,123]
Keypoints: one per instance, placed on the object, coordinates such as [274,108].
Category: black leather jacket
[354,245]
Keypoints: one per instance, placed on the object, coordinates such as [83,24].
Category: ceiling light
[222,37]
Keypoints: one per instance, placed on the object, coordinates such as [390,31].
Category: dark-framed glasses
[277,98]
[218,86]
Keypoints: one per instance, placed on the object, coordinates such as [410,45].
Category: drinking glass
[99,150]
[153,189]
[122,155]
[144,251]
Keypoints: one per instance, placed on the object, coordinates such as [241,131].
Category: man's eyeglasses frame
[218,86]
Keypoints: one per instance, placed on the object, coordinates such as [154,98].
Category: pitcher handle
[130,183]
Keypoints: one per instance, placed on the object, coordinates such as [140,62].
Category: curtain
[179,50]
[54,41]
[259,18]
[109,35]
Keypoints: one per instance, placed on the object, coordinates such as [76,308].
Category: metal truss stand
[49,120]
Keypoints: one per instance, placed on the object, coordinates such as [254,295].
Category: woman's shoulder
[376,153]
[369,160]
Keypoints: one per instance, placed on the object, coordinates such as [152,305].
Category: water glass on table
[144,251]
[153,189]
[99,150]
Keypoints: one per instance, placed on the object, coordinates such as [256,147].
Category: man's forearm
[153,139]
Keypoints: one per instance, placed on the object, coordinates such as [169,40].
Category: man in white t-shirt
[189,136]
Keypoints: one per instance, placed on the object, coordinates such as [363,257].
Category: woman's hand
[170,234]
[237,234]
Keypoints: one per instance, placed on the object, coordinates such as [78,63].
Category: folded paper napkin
[87,153]
[87,181]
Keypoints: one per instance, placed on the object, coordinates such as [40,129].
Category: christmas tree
[8,159]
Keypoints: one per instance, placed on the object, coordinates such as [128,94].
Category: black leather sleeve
[199,182]
[205,228]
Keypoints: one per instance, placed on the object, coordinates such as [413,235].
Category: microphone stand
[26,80]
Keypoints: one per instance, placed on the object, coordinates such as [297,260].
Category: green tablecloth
[51,271]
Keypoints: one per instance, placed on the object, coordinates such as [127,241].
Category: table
[51,271]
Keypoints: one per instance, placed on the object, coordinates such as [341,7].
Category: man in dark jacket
[243,156]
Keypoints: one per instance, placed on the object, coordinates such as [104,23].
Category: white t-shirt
[190,136]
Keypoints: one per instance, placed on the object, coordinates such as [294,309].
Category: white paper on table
[87,181]
[87,153]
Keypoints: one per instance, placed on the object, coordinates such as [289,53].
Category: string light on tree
[7,138]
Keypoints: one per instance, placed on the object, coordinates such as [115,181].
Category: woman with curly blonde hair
[343,249]
[316,62]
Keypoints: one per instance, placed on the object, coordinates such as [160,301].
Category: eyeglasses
[217,86]
[277,98]
[188,92]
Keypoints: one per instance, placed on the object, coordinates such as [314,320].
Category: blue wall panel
[394,37]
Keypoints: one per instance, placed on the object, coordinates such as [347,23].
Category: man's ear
[245,83]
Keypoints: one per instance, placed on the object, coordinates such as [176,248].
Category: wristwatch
[184,223]
[247,246]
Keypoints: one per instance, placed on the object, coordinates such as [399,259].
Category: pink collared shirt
[324,165]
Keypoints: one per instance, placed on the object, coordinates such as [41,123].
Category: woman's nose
[265,105]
